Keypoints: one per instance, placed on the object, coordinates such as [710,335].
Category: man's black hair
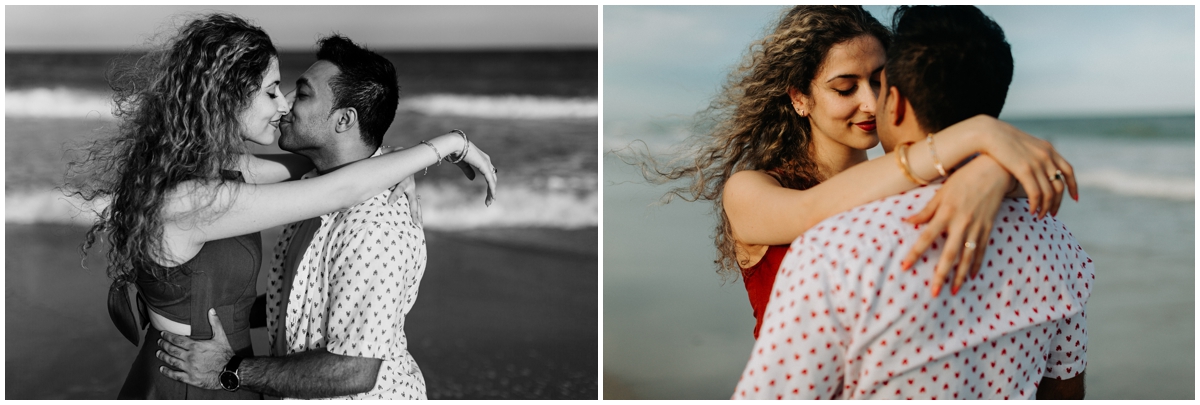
[951,62]
[366,81]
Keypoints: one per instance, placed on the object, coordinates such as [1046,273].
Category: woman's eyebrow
[845,76]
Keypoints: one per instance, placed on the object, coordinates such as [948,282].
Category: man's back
[846,322]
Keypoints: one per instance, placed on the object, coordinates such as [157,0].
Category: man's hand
[196,362]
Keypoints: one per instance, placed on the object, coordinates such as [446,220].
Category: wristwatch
[229,376]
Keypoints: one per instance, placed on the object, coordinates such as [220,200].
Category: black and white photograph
[301,202]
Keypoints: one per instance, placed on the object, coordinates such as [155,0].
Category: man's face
[310,125]
[884,127]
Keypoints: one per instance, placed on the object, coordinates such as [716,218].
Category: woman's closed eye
[847,92]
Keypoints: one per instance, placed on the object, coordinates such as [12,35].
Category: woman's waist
[234,317]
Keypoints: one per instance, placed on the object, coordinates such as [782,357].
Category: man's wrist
[229,377]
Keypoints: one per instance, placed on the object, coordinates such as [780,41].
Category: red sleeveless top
[760,279]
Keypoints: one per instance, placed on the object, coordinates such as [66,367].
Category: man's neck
[905,135]
[908,131]
[336,156]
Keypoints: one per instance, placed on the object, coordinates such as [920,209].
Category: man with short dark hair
[847,320]
[341,284]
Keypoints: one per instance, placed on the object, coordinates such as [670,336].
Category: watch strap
[231,367]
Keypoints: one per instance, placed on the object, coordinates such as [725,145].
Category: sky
[117,28]
[1069,60]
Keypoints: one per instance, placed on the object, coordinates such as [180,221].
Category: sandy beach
[502,313]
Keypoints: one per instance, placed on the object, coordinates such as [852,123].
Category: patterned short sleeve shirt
[844,320]
[354,285]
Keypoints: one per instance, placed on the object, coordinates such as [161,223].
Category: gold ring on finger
[1058,176]
[969,245]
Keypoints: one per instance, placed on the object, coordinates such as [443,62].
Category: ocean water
[534,112]
[673,329]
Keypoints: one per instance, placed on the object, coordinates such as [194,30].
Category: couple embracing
[187,204]
[844,258]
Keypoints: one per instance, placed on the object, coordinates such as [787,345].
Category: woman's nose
[285,103]
[867,102]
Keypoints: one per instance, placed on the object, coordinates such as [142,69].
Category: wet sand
[502,313]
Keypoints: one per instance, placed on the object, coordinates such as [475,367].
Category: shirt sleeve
[1068,349]
[367,291]
[800,346]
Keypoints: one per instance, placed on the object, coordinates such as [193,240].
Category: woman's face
[260,121]
[841,107]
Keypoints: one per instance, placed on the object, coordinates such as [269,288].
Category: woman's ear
[799,101]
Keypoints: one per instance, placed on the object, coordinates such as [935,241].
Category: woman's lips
[866,125]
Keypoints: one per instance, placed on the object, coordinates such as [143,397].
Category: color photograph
[278,115]
[748,144]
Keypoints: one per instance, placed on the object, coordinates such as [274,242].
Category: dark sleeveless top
[760,279]
[223,275]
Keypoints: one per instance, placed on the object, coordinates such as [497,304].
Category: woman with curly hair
[788,150]
[186,202]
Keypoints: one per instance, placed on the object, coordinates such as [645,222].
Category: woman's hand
[965,208]
[408,188]
[476,160]
[1034,162]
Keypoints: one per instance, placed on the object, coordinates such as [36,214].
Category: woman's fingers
[926,238]
[950,253]
[1041,199]
[983,240]
[1029,183]
[1059,186]
[1068,175]
[971,250]
[926,213]
[483,163]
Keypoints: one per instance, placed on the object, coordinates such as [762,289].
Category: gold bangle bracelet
[902,160]
[933,154]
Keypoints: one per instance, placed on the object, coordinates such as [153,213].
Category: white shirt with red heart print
[845,322]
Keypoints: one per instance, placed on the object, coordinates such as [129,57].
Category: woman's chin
[261,140]
[866,140]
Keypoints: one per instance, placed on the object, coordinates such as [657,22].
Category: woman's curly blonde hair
[753,123]
[178,108]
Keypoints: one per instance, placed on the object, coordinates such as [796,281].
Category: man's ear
[799,101]
[897,105]
[347,118]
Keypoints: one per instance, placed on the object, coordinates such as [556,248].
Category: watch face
[229,381]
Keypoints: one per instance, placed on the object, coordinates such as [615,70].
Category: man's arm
[312,374]
[1065,366]
[1051,388]
[795,356]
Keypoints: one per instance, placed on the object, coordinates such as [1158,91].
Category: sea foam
[1121,182]
[58,102]
[443,207]
[63,102]
[509,106]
